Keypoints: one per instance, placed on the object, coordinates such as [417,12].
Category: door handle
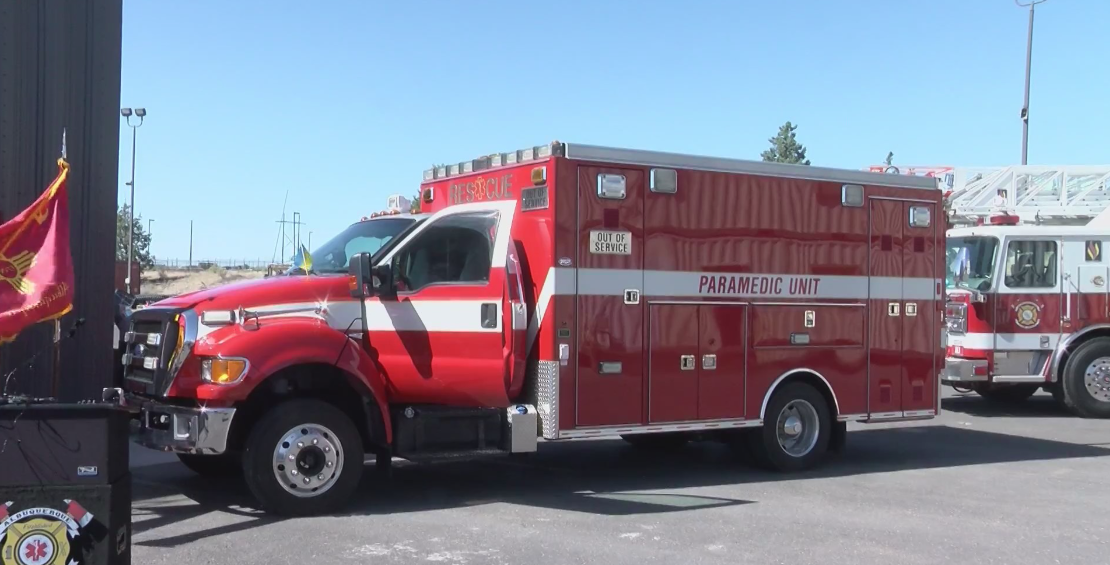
[489,315]
[892,309]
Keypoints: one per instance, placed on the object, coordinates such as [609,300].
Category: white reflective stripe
[1004,341]
[429,315]
[547,292]
[613,282]
[401,315]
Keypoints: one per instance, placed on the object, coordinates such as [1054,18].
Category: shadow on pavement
[604,477]
[1037,406]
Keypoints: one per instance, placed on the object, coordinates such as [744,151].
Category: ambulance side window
[1031,264]
[455,250]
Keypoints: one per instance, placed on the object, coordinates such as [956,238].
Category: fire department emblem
[41,536]
[13,270]
[1028,315]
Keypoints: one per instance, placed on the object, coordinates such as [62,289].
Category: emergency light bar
[495,160]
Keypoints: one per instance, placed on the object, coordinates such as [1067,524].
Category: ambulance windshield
[969,262]
[368,236]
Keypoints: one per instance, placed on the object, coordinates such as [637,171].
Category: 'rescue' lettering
[481,190]
[759,285]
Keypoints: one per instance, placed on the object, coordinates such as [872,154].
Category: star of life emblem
[41,536]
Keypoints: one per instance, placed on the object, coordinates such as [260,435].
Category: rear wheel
[1007,393]
[1086,379]
[303,457]
[796,429]
[212,466]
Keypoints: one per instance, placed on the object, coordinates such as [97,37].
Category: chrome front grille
[149,345]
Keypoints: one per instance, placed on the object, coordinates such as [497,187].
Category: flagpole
[57,376]
[55,382]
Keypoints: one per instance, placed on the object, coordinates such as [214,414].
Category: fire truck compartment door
[449,334]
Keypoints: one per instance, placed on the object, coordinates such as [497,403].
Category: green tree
[785,147]
[142,238]
[414,207]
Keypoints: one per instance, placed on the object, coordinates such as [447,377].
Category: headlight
[223,370]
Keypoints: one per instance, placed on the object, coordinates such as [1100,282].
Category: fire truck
[1027,286]
[555,293]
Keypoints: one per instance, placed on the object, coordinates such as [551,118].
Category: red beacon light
[1004,220]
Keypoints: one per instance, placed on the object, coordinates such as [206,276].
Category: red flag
[36,268]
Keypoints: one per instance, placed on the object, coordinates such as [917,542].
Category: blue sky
[342,103]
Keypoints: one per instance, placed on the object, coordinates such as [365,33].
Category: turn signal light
[223,370]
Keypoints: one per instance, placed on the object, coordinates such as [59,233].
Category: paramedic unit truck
[555,293]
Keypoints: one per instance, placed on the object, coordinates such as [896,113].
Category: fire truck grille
[150,345]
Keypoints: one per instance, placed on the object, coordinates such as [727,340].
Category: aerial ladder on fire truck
[1068,195]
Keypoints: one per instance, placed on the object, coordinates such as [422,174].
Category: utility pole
[294,240]
[139,113]
[1028,66]
[190,243]
[296,231]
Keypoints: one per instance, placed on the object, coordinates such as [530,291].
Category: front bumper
[180,429]
[958,370]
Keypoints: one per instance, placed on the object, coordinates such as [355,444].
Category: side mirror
[383,281]
[361,282]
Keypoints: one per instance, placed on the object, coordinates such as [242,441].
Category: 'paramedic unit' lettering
[759,285]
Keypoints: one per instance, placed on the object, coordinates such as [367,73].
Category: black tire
[764,443]
[1007,393]
[657,441]
[296,418]
[1057,391]
[212,466]
[1078,396]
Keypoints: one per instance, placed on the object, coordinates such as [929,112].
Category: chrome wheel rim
[308,460]
[1096,379]
[797,428]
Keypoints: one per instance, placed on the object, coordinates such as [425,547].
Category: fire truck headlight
[223,370]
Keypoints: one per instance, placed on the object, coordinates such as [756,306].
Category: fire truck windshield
[369,236]
[970,262]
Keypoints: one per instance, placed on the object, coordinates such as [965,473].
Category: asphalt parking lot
[980,484]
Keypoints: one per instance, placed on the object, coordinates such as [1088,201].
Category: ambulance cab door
[446,334]
[610,382]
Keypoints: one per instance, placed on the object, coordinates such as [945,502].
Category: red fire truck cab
[1027,309]
[557,293]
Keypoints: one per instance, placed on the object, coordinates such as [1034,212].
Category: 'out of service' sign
[605,242]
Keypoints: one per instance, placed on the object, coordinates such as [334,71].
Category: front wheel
[1086,379]
[796,429]
[303,457]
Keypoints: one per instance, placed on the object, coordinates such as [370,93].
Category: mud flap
[839,437]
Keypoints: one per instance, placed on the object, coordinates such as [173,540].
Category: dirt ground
[173,282]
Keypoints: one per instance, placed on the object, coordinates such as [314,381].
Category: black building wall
[60,67]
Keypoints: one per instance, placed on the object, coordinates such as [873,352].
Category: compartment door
[674,363]
[610,310]
[919,307]
[884,371]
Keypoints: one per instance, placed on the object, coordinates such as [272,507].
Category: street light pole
[148,222]
[1028,66]
[139,113]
